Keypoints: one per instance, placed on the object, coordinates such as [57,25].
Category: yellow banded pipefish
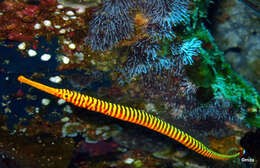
[130,115]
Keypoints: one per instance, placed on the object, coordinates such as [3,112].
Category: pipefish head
[42,87]
[61,93]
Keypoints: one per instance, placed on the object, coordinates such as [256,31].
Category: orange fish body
[130,115]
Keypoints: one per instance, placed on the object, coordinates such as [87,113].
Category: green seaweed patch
[253,119]
[138,164]
[199,11]
[236,89]
[212,71]
[201,74]
[203,34]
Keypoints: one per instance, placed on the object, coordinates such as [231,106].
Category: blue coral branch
[163,15]
[112,22]
[187,50]
[144,57]
[110,25]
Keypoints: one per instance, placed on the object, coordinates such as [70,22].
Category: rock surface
[237,33]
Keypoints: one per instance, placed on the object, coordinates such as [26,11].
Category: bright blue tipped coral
[145,56]
[187,50]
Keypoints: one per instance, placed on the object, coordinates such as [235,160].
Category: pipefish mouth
[131,115]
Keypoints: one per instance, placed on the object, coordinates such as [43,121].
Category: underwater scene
[129,84]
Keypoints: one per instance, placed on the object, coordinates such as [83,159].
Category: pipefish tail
[130,115]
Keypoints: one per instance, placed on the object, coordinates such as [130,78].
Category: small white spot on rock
[47,23]
[22,46]
[73,17]
[70,13]
[55,79]
[65,60]
[66,41]
[45,102]
[72,46]
[60,6]
[45,57]
[57,26]
[37,110]
[62,31]
[61,101]
[65,119]
[65,18]
[37,26]
[129,161]
[32,53]
[57,13]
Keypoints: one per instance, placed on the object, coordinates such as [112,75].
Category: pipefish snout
[132,115]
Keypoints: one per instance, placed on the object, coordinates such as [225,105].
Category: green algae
[212,71]
[138,164]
